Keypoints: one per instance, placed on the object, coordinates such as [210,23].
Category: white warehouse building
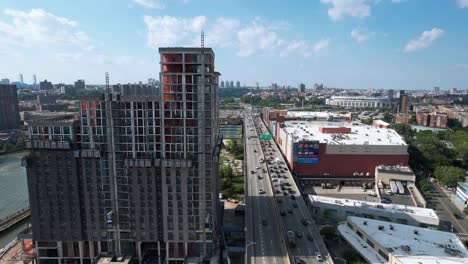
[359,101]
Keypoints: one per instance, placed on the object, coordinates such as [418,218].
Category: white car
[319,257]
[258,167]
[261,191]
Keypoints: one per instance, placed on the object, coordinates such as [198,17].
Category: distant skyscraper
[34,81]
[9,115]
[5,81]
[301,88]
[436,89]
[274,86]
[391,93]
[231,84]
[133,176]
[20,78]
[403,103]
[45,85]
[237,84]
[222,84]
[80,84]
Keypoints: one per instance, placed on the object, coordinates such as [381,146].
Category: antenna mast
[202,39]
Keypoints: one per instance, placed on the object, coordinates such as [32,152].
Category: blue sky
[391,44]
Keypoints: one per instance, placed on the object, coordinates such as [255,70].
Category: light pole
[250,243]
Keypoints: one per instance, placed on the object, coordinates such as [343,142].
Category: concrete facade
[9,113]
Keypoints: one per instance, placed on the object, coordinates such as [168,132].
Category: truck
[291,238]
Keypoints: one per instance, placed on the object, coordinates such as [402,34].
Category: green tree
[465,210]
[404,130]
[387,117]
[20,142]
[449,175]
[8,147]
[328,232]
[351,256]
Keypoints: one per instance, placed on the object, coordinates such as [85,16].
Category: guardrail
[11,220]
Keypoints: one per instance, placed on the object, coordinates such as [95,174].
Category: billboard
[306,152]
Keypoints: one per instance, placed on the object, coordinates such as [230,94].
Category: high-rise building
[80,85]
[45,85]
[34,81]
[403,103]
[237,84]
[301,87]
[9,115]
[231,84]
[133,175]
[436,89]
[5,81]
[20,78]
[222,84]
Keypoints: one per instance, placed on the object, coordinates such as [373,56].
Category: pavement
[265,242]
[291,203]
[446,211]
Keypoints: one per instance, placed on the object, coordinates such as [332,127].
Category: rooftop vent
[415,232]
[406,248]
[381,227]
[365,223]
[392,227]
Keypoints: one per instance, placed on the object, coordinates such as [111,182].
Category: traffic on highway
[298,234]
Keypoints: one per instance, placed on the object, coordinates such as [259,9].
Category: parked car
[299,234]
[304,221]
[310,237]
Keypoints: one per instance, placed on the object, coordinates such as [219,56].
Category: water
[13,192]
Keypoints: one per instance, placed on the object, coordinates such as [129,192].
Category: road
[446,211]
[265,243]
[293,212]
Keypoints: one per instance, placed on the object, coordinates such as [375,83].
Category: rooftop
[430,260]
[395,169]
[309,114]
[410,210]
[404,240]
[360,134]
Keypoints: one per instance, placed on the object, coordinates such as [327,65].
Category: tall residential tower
[132,175]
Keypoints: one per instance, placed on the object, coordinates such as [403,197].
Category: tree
[20,142]
[404,130]
[329,233]
[351,256]
[387,117]
[8,147]
[465,210]
[449,175]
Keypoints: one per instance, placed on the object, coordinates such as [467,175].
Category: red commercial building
[320,151]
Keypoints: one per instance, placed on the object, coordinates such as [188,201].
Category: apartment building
[9,115]
[131,175]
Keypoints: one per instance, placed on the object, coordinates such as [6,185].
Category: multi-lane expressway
[281,206]
[265,242]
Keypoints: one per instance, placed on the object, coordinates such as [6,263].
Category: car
[255,150]
[290,211]
[287,184]
[310,237]
[292,197]
[285,193]
[457,216]
[279,200]
[257,167]
[292,191]
[282,213]
[264,171]
[252,171]
[283,188]
[319,257]
[277,192]
[386,201]
[260,177]
[274,180]
[304,221]
[299,234]
[261,191]
[264,222]
[295,205]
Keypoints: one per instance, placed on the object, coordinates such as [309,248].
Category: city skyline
[389,44]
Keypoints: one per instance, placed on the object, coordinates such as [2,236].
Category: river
[13,192]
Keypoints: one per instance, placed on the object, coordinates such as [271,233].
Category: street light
[250,243]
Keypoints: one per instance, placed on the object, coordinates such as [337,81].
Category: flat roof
[410,210]
[310,114]
[360,245]
[405,240]
[429,260]
[184,49]
[463,184]
[360,134]
[395,169]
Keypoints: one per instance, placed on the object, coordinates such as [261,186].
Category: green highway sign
[265,137]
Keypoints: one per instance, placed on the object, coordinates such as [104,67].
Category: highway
[294,214]
[265,242]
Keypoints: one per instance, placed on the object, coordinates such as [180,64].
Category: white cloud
[40,27]
[426,38]
[115,60]
[168,31]
[321,45]
[149,3]
[462,3]
[68,57]
[361,34]
[353,8]
[256,37]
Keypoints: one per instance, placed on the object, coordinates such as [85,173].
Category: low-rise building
[340,209]
[359,101]
[384,242]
